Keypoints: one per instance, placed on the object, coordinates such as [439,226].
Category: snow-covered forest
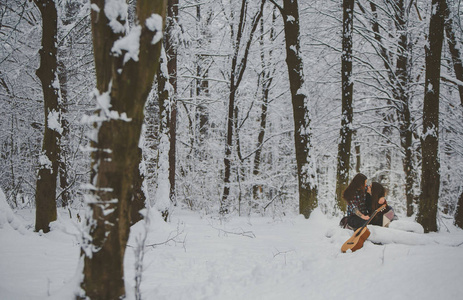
[212,115]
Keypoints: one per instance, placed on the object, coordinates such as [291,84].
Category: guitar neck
[374,214]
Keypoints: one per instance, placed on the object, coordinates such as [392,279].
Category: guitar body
[360,235]
[357,239]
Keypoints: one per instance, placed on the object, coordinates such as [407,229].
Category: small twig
[248,234]
[284,253]
[170,239]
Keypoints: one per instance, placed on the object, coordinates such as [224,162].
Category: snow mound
[407,226]
[383,235]
[7,216]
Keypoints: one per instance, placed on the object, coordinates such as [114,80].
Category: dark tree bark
[458,219]
[165,99]
[171,51]
[344,147]
[454,48]
[430,174]
[45,196]
[238,68]
[202,73]
[138,197]
[63,168]
[401,82]
[123,82]
[306,171]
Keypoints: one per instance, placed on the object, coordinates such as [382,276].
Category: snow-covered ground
[202,257]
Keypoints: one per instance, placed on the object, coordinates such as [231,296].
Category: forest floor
[203,257]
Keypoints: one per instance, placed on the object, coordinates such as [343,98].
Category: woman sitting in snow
[378,198]
[356,195]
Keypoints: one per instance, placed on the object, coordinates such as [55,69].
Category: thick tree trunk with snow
[306,171]
[430,175]
[45,195]
[124,79]
[344,147]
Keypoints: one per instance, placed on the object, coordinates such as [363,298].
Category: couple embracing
[362,200]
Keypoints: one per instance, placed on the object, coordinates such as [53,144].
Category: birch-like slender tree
[125,64]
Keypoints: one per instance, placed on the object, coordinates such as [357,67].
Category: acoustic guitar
[361,234]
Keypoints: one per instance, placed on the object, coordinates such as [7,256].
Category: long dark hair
[377,191]
[357,184]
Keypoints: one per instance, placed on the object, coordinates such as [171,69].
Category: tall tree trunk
[430,175]
[63,167]
[224,205]
[458,218]
[165,99]
[344,147]
[171,51]
[306,171]
[45,196]
[238,68]
[454,47]
[124,80]
[399,81]
[138,195]
[202,82]
[265,79]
